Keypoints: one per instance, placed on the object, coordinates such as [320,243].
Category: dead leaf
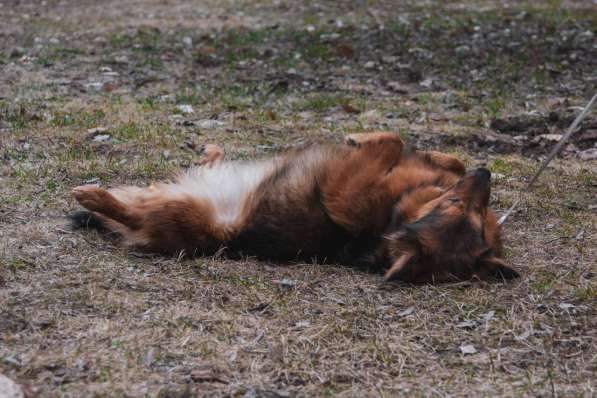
[589,154]
[488,316]
[467,324]
[344,50]
[523,336]
[406,312]
[108,87]
[206,373]
[397,87]
[207,50]
[550,137]
[270,114]
[350,109]
[589,135]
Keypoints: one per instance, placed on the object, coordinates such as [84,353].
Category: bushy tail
[84,219]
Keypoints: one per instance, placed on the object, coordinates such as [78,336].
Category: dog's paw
[352,140]
[210,154]
[89,196]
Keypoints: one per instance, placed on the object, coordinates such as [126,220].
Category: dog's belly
[287,219]
[225,185]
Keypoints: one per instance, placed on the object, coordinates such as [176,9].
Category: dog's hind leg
[155,222]
[101,201]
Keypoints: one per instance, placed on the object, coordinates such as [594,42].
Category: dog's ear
[398,266]
[494,267]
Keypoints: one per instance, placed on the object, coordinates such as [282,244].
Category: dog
[371,201]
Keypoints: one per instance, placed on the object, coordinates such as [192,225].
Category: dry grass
[80,316]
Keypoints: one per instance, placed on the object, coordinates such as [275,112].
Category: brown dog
[413,213]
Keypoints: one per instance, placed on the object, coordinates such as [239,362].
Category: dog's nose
[483,173]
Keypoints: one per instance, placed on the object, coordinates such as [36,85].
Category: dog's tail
[85,219]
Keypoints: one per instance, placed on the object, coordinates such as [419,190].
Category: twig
[572,129]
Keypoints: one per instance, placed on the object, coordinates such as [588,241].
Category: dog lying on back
[414,214]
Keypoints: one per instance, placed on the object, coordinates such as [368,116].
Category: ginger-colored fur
[369,201]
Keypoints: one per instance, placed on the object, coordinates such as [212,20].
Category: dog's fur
[415,214]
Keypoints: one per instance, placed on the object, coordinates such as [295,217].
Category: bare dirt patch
[127,92]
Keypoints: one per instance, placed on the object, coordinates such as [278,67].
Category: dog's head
[442,235]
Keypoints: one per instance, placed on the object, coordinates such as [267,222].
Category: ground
[118,92]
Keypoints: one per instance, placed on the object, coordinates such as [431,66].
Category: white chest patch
[226,185]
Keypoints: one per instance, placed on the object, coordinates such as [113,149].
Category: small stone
[53,40]
[150,357]
[302,324]
[187,41]
[397,88]
[209,123]
[466,324]
[186,109]
[427,83]
[406,312]
[121,59]
[586,35]
[369,65]
[287,283]
[97,130]
[589,154]
[488,316]
[462,50]
[566,306]
[9,389]
[310,28]
[551,137]
[389,59]
[468,349]
[101,138]
[94,86]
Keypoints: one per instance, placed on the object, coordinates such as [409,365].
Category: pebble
[187,41]
[397,87]
[461,50]
[209,123]
[468,349]
[186,109]
[101,138]
[427,83]
[122,59]
[9,389]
